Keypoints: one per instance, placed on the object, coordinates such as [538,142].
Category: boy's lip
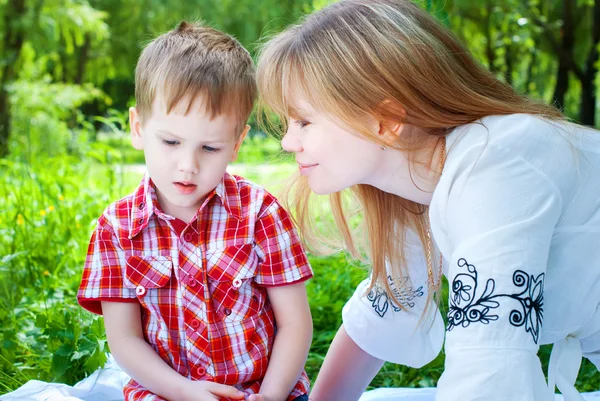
[185,187]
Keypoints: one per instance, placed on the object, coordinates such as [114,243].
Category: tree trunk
[83,58]
[588,88]
[567,43]
[490,52]
[508,61]
[13,43]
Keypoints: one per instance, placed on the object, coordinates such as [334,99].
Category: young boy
[196,270]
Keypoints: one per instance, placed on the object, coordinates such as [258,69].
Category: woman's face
[331,157]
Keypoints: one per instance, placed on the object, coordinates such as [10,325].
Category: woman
[379,98]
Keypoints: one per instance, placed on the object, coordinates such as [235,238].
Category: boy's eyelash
[207,148]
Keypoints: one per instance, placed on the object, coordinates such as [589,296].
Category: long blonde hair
[388,59]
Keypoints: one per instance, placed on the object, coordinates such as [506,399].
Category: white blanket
[106,384]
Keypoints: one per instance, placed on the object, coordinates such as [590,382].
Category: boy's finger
[223,390]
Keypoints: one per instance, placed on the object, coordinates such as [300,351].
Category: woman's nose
[291,143]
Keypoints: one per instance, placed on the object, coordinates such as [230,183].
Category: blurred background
[66,82]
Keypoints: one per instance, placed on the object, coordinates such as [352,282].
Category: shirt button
[141,205]
[227,311]
[237,283]
[192,282]
[201,371]
[187,237]
[140,290]
[195,323]
[140,221]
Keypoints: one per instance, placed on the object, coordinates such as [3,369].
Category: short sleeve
[384,330]
[103,272]
[277,244]
[500,212]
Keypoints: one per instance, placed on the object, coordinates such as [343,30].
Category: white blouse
[516,215]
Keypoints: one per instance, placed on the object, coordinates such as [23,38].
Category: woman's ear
[390,121]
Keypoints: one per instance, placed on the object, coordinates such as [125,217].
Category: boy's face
[186,154]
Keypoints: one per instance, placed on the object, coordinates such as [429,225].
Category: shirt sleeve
[103,272]
[384,330]
[501,212]
[277,244]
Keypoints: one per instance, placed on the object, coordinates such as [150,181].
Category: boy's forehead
[197,104]
[197,110]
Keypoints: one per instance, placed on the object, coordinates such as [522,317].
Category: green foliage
[46,121]
[47,210]
[69,85]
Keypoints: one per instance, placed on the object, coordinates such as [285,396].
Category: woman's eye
[170,143]
[302,123]
[210,149]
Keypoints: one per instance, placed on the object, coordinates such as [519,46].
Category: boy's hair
[194,60]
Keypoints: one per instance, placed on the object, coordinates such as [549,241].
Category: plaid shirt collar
[145,202]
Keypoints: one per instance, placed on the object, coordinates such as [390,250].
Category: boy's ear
[136,129]
[236,149]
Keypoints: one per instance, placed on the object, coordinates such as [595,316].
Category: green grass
[47,212]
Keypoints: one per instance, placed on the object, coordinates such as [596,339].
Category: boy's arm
[292,341]
[138,359]
[346,371]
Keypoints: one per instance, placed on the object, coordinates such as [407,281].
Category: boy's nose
[290,143]
[189,164]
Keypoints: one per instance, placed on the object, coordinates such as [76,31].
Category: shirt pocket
[149,276]
[233,293]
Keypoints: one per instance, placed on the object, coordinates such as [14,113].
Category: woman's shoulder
[515,132]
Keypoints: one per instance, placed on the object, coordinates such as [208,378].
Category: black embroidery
[405,295]
[466,309]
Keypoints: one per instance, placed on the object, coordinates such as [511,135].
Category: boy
[196,270]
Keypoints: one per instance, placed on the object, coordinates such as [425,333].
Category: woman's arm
[346,371]
[138,359]
[292,341]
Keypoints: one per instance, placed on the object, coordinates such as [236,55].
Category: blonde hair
[391,60]
[194,60]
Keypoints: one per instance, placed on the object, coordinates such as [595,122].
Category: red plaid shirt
[201,286]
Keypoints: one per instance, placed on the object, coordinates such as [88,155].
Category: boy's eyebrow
[167,132]
[215,140]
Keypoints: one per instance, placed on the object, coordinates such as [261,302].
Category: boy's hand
[209,391]
[260,397]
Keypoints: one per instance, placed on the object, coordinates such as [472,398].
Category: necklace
[434,285]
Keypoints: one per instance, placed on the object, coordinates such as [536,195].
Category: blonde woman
[455,174]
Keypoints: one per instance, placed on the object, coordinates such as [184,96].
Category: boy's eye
[170,143]
[210,149]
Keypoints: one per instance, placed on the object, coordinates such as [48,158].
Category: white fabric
[106,385]
[399,338]
[516,215]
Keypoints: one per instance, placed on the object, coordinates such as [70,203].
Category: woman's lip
[305,168]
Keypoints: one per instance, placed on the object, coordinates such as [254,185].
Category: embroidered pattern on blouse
[404,294]
[465,308]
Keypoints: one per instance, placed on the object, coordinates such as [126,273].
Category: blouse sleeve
[384,330]
[500,215]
